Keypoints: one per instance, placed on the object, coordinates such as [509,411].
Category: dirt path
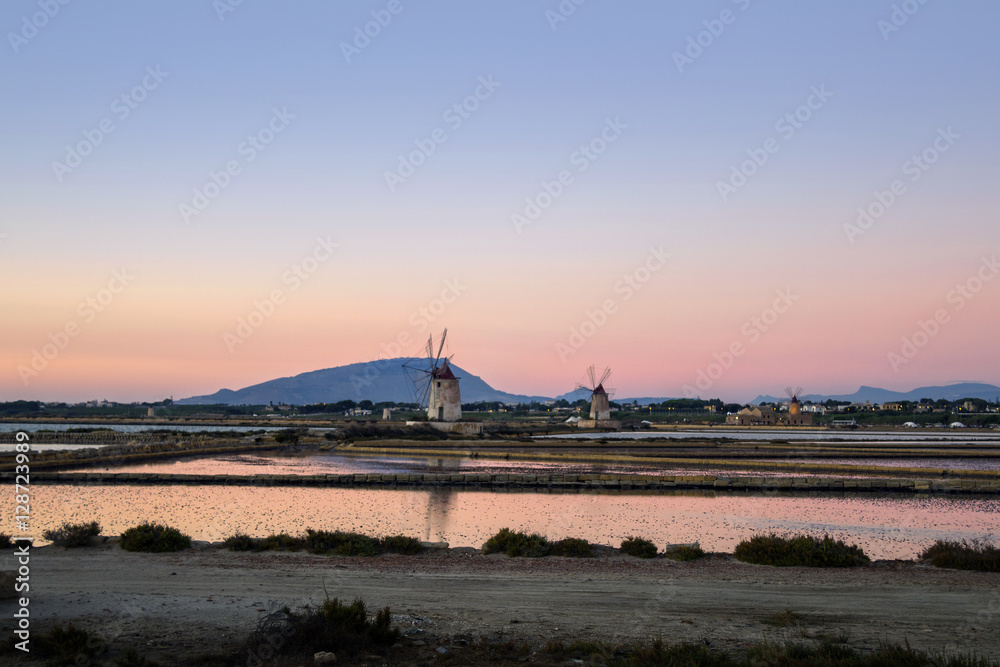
[206,599]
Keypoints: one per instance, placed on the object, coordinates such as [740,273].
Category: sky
[716,198]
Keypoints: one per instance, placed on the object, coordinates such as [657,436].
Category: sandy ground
[209,599]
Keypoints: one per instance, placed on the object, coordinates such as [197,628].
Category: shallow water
[886,527]
[334,463]
[32,427]
[977,435]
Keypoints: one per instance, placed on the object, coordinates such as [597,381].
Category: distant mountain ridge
[385,380]
[950,392]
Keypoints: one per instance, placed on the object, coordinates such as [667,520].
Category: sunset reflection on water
[885,526]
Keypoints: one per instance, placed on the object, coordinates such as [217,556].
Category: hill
[382,380]
[950,392]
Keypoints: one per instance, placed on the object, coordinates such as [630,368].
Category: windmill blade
[593,377]
[604,377]
[441,348]
[430,350]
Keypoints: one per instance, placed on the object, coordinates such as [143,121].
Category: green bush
[281,542]
[68,646]
[638,547]
[684,552]
[964,555]
[340,543]
[240,542]
[154,537]
[801,550]
[516,544]
[336,627]
[400,544]
[573,547]
[73,534]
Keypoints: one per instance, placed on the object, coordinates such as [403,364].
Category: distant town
[925,413]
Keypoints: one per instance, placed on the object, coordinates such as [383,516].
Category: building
[445,404]
[764,416]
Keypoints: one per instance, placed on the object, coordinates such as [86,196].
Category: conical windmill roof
[443,372]
[600,389]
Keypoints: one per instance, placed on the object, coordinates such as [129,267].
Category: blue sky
[556,88]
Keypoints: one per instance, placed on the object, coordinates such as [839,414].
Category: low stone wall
[522,481]
[136,452]
[672,461]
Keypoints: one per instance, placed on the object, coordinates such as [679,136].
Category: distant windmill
[600,407]
[794,408]
[434,385]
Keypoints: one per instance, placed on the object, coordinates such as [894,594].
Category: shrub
[517,544]
[68,646]
[155,538]
[240,542]
[684,552]
[340,628]
[5,541]
[638,547]
[340,543]
[802,550]
[964,555]
[400,544]
[573,547]
[281,542]
[73,534]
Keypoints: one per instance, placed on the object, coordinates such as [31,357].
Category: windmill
[794,407]
[600,408]
[434,384]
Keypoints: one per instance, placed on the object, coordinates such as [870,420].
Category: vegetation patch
[5,541]
[154,537]
[339,543]
[801,550]
[516,544]
[684,552]
[638,547]
[71,535]
[343,629]
[964,555]
[400,544]
[67,646]
[573,547]
[783,619]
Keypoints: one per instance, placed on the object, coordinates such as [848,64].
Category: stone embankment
[499,482]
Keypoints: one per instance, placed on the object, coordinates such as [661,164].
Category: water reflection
[887,527]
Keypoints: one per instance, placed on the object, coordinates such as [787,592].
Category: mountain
[382,380]
[950,392]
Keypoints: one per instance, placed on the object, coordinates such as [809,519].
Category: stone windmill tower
[600,406]
[435,385]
